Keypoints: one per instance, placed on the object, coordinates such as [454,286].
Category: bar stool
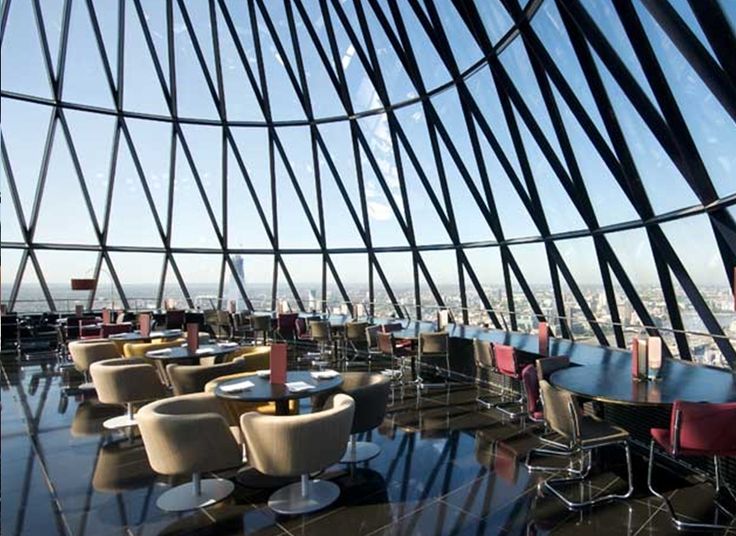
[697,429]
[583,435]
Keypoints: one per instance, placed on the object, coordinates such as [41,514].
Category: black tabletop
[265,391]
[182,352]
[610,381]
[138,336]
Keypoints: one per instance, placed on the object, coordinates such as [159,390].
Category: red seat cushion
[705,429]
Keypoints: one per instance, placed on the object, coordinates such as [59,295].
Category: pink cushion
[506,360]
[705,429]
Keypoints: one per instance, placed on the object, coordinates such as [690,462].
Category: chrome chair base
[86,386]
[303,497]
[195,494]
[550,483]
[676,519]
[360,451]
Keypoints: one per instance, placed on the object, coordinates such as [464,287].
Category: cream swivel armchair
[84,353]
[124,381]
[189,434]
[187,379]
[300,445]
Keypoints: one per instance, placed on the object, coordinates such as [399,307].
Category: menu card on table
[443,317]
[144,323]
[643,360]
[635,358]
[654,357]
[106,318]
[278,363]
[192,337]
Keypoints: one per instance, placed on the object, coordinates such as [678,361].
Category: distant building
[233,292]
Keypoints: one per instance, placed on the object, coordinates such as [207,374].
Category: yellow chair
[256,357]
[139,349]
[235,409]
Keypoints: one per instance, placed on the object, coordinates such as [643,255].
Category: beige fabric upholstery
[233,410]
[483,354]
[187,434]
[300,444]
[85,353]
[319,330]
[187,379]
[256,357]
[370,393]
[355,331]
[123,380]
[139,349]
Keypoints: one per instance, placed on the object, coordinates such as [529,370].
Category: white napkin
[165,351]
[204,350]
[296,387]
[228,345]
[324,374]
[237,386]
[265,373]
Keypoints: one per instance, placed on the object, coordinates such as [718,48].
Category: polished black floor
[445,468]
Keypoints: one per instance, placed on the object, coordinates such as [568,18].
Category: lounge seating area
[383,267]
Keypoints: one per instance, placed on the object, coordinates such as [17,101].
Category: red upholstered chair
[89,328]
[175,319]
[698,429]
[286,325]
[530,381]
[113,329]
[393,327]
[507,365]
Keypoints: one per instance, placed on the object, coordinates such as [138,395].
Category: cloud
[379,211]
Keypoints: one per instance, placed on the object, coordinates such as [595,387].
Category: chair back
[433,343]
[386,343]
[85,353]
[371,335]
[112,329]
[125,379]
[187,379]
[709,429]
[506,360]
[530,383]
[260,322]
[561,411]
[483,354]
[175,319]
[391,327]
[286,323]
[301,327]
[319,330]
[355,331]
[547,365]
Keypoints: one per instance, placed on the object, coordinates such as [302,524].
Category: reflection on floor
[445,468]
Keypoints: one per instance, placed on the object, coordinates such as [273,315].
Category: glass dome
[511,161]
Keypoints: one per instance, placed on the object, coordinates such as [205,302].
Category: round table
[137,336]
[265,391]
[609,380]
[182,353]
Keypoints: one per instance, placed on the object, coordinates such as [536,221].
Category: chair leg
[195,494]
[550,483]
[676,519]
[304,496]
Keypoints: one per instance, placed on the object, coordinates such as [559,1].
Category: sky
[64,218]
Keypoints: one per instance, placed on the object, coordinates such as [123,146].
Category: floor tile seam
[406,515]
[500,507]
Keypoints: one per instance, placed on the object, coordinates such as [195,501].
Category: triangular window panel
[205,145]
[140,276]
[131,218]
[258,272]
[560,212]
[295,228]
[11,231]
[143,91]
[22,54]
[606,195]
[155,16]
[60,266]
[510,210]
[173,293]
[283,98]
[201,273]
[92,135]
[353,270]
[340,227]
[429,302]
[53,21]
[84,77]
[199,15]
[306,273]
[337,303]
[244,226]
[655,168]
[234,278]
[108,22]
[399,271]
[194,98]
[63,202]
[191,224]
[486,263]
[533,264]
[10,265]
[24,129]
[152,145]
[442,265]
[241,102]
[338,141]
[297,144]
[253,148]
[30,295]
[464,47]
